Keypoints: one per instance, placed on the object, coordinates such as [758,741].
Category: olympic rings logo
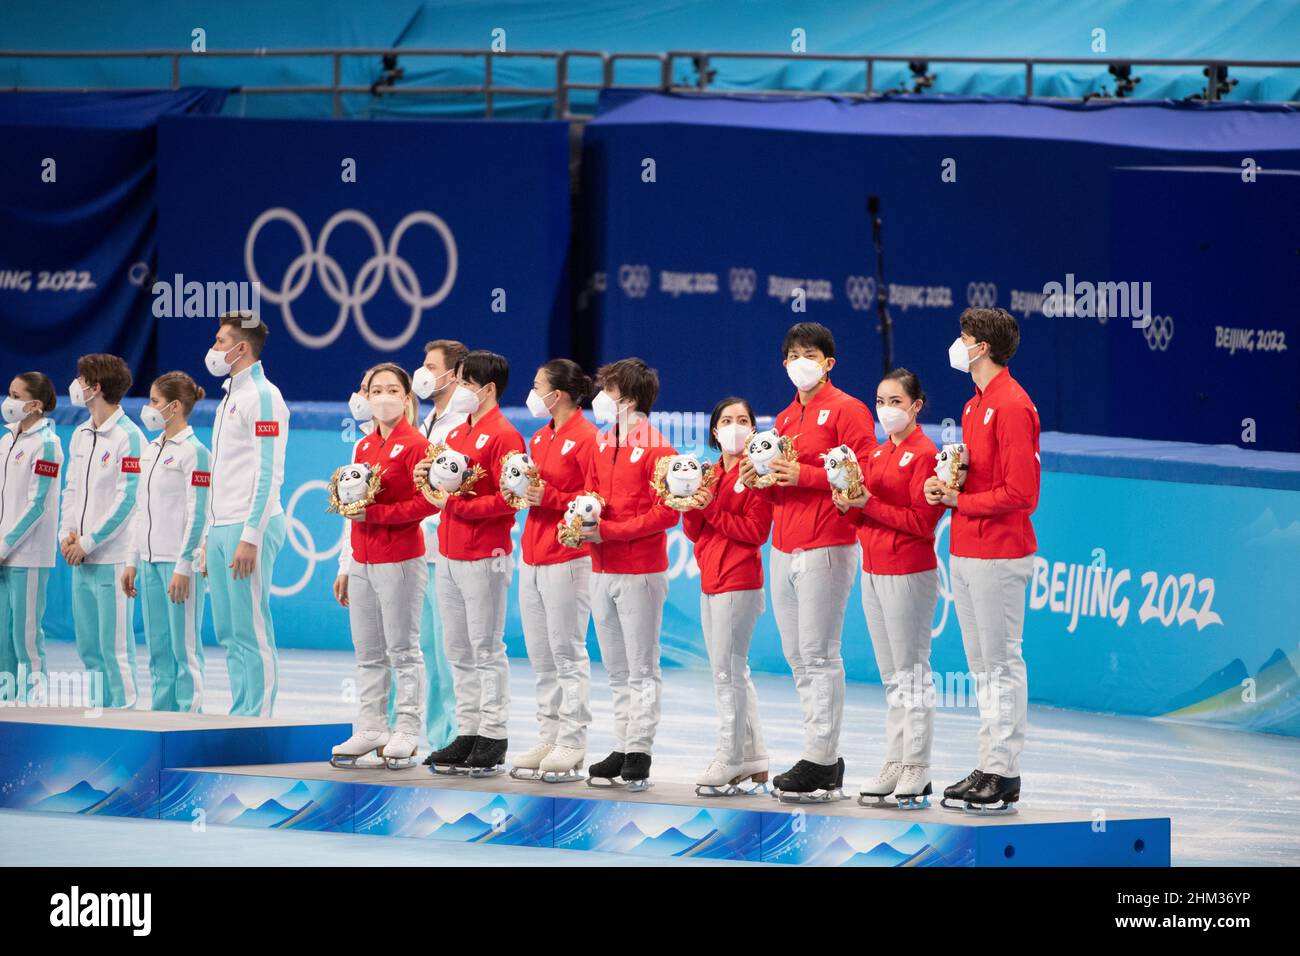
[861,291]
[981,295]
[742,283]
[1159,332]
[634,280]
[364,286]
[302,541]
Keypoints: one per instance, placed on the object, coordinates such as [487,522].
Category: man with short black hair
[250,431]
[992,547]
[98,502]
[474,568]
[814,559]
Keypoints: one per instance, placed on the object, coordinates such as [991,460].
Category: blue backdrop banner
[713,225]
[77,223]
[359,241]
[1133,608]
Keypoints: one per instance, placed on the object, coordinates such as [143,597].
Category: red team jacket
[634,521]
[804,514]
[729,534]
[391,531]
[477,525]
[1000,427]
[561,455]
[896,526]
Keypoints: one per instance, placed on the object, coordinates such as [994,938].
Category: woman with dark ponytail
[170,518]
[900,586]
[555,580]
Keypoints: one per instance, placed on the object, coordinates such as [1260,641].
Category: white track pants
[555,606]
[810,590]
[629,611]
[900,611]
[384,602]
[472,602]
[728,621]
[989,595]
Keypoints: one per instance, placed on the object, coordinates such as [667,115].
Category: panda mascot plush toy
[353,489]
[843,471]
[518,473]
[582,512]
[679,479]
[951,465]
[450,473]
[762,449]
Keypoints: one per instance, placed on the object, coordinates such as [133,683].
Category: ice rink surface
[1234,798]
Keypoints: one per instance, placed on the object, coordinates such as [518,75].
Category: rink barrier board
[575,817]
[67,761]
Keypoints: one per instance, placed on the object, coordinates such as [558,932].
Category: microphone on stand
[885,325]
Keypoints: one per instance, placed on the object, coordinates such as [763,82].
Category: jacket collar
[108,425]
[161,438]
[999,383]
[824,395]
[41,425]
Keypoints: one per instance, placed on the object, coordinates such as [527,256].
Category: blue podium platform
[273,774]
[108,762]
[666,821]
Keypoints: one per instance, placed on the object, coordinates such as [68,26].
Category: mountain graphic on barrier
[470,827]
[1219,698]
[227,810]
[79,798]
[269,814]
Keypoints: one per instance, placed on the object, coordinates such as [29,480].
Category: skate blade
[816,796]
[400,763]
[638,786]
[875,801]
[920,802]
[731,790]
[562,776]
[448,770]
[525,773]
[990,810]
[349,761]
[480,772]
[606,783]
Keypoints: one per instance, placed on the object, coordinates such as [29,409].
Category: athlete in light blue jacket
[174,474]
[31,457]
[98,502]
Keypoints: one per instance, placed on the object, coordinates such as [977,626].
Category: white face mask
[424,383]
[153,418]
[12,409]
[216,362]
[77,394]
[387,408]
[359,406]
[892,418]
[804,373]
[464,401]
[604,408]
[733,437]
[959,354]
[537,404]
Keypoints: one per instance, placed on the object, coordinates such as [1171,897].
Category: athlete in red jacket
[555,581]
[386,578]
[992,545]
[814,554]
[900,585]
[728,532]
[474,567]
[630,560]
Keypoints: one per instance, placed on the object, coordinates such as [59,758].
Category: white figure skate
[347,754]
